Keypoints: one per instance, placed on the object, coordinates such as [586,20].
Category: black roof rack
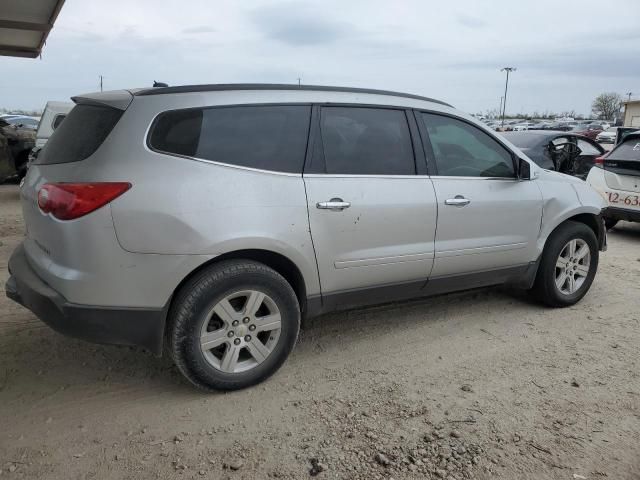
[276,86]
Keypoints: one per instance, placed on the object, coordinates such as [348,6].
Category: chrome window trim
[147,136]
[455,177]
[352,175]
[434,177]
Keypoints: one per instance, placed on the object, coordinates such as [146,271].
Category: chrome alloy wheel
[240,331]
[572,266]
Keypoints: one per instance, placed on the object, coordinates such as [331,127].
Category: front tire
[568,265]
[233,325]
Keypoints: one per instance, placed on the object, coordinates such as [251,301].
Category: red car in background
[591,131]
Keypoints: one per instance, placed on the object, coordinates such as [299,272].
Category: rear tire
[559,265]
[233,325]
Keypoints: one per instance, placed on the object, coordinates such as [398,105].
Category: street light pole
[506,86]
[500,109]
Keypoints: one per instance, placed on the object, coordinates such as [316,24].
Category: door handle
[335,204]
[458,201]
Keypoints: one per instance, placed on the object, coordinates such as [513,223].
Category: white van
[54,113]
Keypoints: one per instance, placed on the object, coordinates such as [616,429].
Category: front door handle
[335,204]
[458,201]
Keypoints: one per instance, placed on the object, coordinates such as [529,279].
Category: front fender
[564,200]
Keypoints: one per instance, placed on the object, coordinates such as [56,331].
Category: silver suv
[207,220]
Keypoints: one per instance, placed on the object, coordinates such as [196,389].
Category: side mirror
[524,169]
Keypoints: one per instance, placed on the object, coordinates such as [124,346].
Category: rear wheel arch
[278,262]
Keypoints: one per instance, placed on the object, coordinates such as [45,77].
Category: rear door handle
[458,201]
[335,204]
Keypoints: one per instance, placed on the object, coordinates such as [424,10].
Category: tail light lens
[599,162]
[67,201]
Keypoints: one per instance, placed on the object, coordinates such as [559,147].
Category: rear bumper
[622,214]
[121,326]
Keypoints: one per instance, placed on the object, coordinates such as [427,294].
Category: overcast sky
[566,52]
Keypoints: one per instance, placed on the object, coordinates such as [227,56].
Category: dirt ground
[483,384]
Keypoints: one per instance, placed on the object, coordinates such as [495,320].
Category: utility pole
[100,82]
[299,80]
[506,87]
[629,96]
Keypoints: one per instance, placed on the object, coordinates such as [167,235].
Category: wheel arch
[591,217]
[278,262]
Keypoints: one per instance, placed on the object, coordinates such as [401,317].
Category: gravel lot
[483,384]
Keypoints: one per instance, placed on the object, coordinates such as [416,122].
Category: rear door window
[366,141]
[587,149]
[80,135]
[269,137]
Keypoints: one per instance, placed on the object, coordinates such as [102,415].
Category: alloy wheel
[240,331]
[572,266]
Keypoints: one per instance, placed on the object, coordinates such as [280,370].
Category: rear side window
[366,141]
[270,137]
[79,136]
[462,150]
[587,149]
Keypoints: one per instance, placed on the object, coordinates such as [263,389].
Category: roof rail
[276,86]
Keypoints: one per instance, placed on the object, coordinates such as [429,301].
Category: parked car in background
[22,121]
[559,126]
[607,136]
[559,151]
[617,178]
[53,115]
[590,131]
[622,132]
[17,141]
[209,219]
[519,127]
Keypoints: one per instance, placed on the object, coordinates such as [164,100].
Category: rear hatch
[622,165]
[68,157]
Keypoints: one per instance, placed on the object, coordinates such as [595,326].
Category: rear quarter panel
[185,206]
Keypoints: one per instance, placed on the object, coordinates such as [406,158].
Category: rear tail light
[67,201]
[599,162]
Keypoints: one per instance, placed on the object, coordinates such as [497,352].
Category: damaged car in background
[558,151]
[16,142]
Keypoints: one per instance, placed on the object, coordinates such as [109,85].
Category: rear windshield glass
[79,136]
[627,151]
[270,137]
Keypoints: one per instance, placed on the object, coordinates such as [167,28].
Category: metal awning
[25,25]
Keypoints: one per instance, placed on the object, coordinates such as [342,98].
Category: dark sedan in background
[563,152]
